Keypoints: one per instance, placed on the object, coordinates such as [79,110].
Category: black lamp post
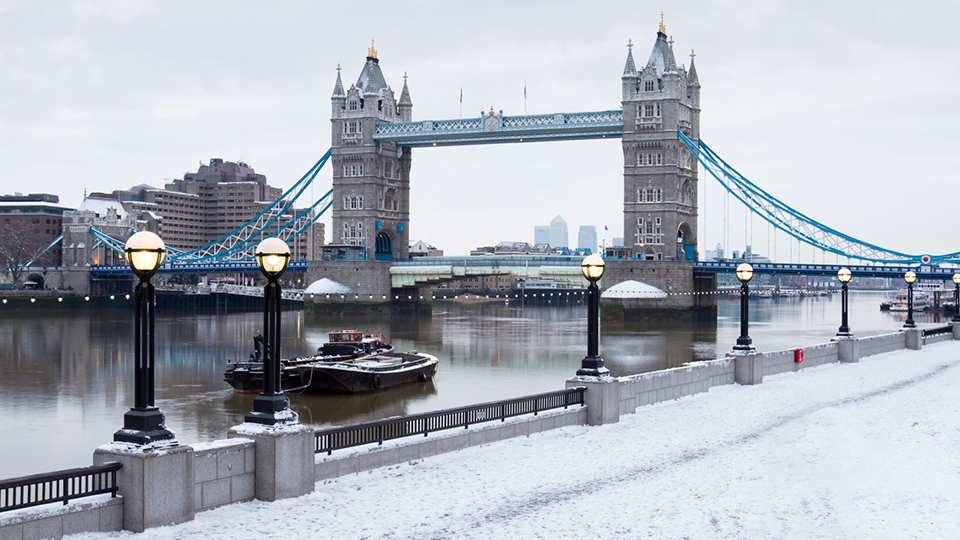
[910,277]
[744,343]
[592,365]
[956,298]
[271,406]
[144,423]
[844,276]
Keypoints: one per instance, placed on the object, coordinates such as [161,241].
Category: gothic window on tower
[353,105]
[648,109]
[658,109]
[648,86]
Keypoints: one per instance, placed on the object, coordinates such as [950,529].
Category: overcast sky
[844,110]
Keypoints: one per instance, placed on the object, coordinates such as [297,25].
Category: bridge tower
[659,174]
[371,179]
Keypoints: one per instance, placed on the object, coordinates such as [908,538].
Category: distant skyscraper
[559,237]
[541,234]
[587,238]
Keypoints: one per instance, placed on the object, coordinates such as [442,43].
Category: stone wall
[223,472]
[369,281]
[100,513]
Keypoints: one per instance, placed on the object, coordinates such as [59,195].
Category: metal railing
[927,332]
[45,488]
[377,431]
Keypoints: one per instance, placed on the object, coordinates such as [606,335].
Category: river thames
[67,380]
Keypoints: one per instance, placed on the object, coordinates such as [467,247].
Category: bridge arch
[686,243]
[383,246]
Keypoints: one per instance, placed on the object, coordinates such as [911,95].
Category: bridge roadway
[553,267]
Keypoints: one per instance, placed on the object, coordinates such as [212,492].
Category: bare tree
[20,245]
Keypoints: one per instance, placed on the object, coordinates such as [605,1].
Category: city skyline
[805,100]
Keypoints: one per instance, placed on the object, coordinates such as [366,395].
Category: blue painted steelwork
[887,271]
[797,224]
[489,128]
[55,241]
[197,268]
[239,244]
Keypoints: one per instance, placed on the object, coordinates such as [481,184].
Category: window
[353,104]
[648,86]
[648,109]
[355,169]
[658,109]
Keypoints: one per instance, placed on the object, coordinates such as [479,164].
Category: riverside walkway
[864,450]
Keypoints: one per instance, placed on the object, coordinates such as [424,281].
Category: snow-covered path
[868,450]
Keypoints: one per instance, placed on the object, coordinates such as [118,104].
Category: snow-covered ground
[868,450]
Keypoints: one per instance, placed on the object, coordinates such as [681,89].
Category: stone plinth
[848,349]
[156,483]
[602,398]
[748,368]
[284,459]
[914,338]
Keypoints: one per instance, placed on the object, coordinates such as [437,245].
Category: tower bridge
[658,124]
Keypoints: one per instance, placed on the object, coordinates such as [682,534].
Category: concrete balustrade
[163,486]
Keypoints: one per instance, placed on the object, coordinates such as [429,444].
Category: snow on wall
[883,343]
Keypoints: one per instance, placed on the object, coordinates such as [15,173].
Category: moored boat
[246,377]
[368,373]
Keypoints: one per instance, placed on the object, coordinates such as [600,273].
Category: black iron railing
[377,431]
[57,486]
[927,332]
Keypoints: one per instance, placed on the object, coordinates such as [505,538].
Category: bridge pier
[687,291]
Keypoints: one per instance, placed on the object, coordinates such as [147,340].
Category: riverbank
[860,450]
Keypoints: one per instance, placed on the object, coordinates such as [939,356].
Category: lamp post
[910,277]
[744,343]
[144,423]
[844,276]
[271,406]
[592,365]
[956,298]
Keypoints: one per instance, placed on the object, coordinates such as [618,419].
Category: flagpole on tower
[524,98]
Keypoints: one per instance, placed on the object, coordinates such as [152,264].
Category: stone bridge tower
[659,174]
[371,180]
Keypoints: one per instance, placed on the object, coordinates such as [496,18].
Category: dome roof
[326,286]
[633,289]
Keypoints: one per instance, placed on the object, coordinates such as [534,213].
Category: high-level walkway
[852,451]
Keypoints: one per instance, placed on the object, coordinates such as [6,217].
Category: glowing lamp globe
[144,252]
[744,272]
[910,277]
[844,275]
[592,267]
[956,279]
[272,256]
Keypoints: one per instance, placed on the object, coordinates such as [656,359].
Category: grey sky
[843,110]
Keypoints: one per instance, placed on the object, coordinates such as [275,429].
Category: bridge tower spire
[659,173]
[371,179]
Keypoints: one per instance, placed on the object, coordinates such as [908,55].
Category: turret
[630,76]
[405,105]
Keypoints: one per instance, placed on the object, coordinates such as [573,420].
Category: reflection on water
[67,380]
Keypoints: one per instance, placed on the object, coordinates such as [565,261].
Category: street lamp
[271,406]
[744,343]
[956,298]
[910,277]
[844,276]
[144,423]
[592,365]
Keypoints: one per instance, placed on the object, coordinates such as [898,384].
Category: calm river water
[66,381]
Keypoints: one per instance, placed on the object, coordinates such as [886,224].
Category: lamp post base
[744,345]
[844,331]
[271,409]
[909,324]
[144,426]
[592,366]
